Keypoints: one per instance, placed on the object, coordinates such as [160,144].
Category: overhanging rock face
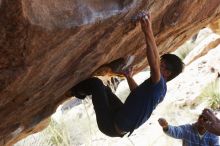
[47,46]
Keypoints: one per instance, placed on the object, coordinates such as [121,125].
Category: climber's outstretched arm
[151,49]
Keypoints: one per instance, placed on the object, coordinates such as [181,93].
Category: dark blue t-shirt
[140,104]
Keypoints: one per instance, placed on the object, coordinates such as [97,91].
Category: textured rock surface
[49,46]
[215,26]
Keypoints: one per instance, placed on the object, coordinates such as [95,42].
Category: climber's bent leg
[104,107]
[104,101]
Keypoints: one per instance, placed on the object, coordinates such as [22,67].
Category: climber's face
[164,69]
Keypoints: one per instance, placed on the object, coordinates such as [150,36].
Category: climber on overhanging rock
[115,118]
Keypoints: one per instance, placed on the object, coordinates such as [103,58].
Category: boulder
[49,46]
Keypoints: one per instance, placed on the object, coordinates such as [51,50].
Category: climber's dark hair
[174,64]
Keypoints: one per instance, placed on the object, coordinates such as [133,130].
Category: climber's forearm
[151,50]
[131,82]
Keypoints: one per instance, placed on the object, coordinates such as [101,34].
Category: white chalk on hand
[139,16]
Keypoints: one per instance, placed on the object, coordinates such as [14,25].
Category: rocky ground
[79,125]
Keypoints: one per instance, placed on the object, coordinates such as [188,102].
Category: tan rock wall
[215,26]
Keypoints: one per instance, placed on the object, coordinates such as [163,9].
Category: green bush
[212,93]
[57,134]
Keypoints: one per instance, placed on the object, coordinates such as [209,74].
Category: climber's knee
[94,81]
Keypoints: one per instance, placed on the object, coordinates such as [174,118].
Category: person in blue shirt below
[191,134]
[115,118]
